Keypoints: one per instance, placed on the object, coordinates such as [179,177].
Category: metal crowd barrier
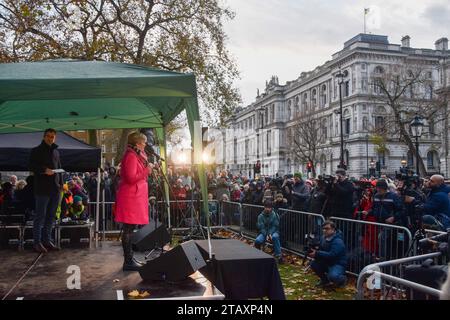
[297,226]
[370,242]
[384,280]
[249,218]
[229,216]
[184,214]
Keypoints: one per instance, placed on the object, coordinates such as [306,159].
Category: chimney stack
[406,41]
[441,44]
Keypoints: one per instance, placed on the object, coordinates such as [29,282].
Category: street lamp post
[372,168]
[341,75]
[416,128]
[367,155]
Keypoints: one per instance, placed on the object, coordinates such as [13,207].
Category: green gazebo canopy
[78,95]
[72,95]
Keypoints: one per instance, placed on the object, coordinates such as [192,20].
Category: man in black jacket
[47,190]
[341,204]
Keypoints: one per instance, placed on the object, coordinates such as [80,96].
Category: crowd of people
[404,200]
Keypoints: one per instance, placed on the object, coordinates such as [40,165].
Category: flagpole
[364,20]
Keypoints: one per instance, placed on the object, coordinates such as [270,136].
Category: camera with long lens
[438,243]
[311,243]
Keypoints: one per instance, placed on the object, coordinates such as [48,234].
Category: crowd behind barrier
[380,218]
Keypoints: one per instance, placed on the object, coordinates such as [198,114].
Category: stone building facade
[260,131]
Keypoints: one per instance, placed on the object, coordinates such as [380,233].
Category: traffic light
[309,166]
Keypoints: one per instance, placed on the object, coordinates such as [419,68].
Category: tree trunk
[122,144]
[410,144]
[92,138]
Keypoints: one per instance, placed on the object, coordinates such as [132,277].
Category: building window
[304,102]
[432,159]
[314,98]
[324,95]
[410,159]
[103,148]
[365,124]
[273,113]
[431,127]
[346,88]
[347,126]
[379,123]
[429,92]
[364,84]
[323,163]
[382,159]
[269,144]
[379,70]
[347,158]
[114,148]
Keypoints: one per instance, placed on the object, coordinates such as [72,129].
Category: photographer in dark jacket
[341,196]
[300,193]
[47,190]
[330,261]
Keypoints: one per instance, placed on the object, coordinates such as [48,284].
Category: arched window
[378,70]
[304,102]
[314,98]
[324,95]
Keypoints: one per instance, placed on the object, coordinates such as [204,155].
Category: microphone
[149,150]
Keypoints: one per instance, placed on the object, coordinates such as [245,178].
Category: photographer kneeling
[268,226]
[330,261]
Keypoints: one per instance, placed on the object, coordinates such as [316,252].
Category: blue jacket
[332,251]
[438,202]
[384,207]
[268,223]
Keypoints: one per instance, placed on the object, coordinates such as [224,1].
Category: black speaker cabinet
[174,265]
[150,237]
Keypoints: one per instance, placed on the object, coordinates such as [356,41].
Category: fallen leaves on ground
[135,294]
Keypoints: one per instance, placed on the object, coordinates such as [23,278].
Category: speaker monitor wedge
[150,237]
[174,265]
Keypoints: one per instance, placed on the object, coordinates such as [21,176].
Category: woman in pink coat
[132,195]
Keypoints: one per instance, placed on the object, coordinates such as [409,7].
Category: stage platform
[101,272]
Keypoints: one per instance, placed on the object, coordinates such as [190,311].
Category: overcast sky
[287,37]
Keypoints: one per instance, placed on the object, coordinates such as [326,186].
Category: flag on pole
[372,18]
